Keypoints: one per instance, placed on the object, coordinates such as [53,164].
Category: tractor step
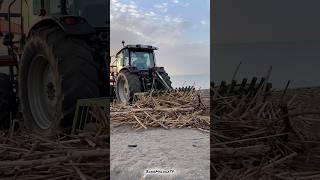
[7,60]
[94,110]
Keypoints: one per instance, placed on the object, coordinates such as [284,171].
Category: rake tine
[242,86]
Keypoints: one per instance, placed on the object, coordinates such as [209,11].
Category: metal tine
[232,86]
[253,82]
[84,120]
[251,86]
[87,110]
[242,87]
[189,90]
[91,114]
[262,83]
[81,117]
[186,90]
[222,88]
[269,87]
[212,85]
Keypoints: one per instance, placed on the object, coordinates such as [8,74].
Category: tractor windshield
[95,11]
[142,60]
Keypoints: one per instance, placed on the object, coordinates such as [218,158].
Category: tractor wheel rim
[123,89]
[42,92]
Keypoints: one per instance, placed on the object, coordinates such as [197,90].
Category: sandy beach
[186,151]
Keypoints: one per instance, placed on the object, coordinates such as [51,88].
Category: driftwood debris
[253,137]
[167,110]
[28,156]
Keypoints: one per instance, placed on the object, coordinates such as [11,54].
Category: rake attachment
[180,90]
[92,111]
[244,88]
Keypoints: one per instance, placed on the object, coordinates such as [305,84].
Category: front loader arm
[162,81]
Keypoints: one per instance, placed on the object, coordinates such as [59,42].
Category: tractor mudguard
[73,25]
[160,69]
[131,69]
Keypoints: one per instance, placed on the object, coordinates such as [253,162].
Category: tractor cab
[94,11]
[140,57]
[134,73]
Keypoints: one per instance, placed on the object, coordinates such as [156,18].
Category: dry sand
[186,151]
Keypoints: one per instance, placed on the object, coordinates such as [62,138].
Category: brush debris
[253,137]
[167,110]
[28,156]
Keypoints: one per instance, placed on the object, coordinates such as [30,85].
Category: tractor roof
[137,47]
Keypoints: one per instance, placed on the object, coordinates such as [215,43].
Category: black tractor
[135,72]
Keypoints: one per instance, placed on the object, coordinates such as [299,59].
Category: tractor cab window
[95,11]
[36,7]
[50,6]
[125,57]
[142,60]
[55,7]
[119,60]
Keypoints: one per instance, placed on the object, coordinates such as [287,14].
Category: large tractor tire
[55,71]
[127,84]
[7,100]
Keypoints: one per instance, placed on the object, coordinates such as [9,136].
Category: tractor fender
[136,70]
[130,69]
[160,69]
[83,28]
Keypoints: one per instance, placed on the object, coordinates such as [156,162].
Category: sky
[248,21]
[179,28]
[282,34]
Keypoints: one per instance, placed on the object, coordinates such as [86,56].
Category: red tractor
[58,52]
